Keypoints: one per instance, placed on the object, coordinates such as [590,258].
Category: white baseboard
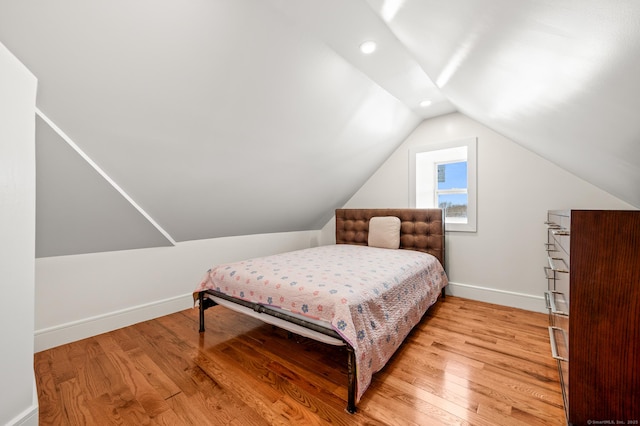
[499,297]
[77,330]
[30,416]
[70,332]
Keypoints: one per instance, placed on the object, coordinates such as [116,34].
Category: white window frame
[443,152]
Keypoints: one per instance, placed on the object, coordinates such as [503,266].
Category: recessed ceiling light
[368,47]
[425,103]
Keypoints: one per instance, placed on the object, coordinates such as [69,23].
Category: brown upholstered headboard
[421,229]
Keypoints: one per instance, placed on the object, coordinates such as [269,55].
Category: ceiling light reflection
[456,60]
[390,9]
[368,47]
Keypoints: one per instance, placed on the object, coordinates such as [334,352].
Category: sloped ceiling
[558,77]
[212,118]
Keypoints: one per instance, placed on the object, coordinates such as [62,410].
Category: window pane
[440,174]
[452,175]
[455,206]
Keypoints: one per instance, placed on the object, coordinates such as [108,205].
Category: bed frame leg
[201,303]
[351,375]
[444,294]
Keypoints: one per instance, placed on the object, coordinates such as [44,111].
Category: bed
[366,292]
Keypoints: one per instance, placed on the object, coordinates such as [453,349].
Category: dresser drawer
[559,339]
[559,270]
[559,229]
[560,238]
[557,304]
[561,293]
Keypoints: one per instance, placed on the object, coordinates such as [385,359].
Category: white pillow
[384,232]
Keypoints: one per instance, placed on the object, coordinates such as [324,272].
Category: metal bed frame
[350,229]
[206,303]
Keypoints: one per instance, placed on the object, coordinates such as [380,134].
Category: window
[444,175]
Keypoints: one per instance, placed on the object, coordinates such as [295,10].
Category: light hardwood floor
[467,363]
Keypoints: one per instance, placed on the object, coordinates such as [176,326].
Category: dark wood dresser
[594,313]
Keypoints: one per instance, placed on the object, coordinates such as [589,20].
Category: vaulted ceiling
[163,121]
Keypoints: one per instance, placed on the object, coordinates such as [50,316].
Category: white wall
[502,262]
[83,295]
[18,404]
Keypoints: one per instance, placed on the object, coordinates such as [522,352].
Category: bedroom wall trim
[31,415]
[527,302]
[76,330]
[104,175]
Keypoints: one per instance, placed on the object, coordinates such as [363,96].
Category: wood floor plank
[153,373]
[395,407]
[74,404]
[260,364]
[466,363]
[50,401]
[152,402]
[61,368]
[257,395]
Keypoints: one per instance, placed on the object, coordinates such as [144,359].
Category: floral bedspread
[372,297]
